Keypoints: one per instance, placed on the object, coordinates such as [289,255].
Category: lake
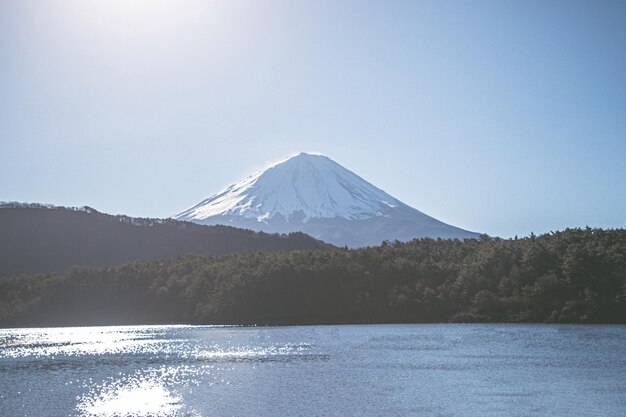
[379,370]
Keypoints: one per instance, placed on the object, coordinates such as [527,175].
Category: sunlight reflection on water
[144,398]
[148,391]
[72,341]
[426,370]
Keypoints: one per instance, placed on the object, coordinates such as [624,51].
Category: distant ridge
[313,194]
[44,238]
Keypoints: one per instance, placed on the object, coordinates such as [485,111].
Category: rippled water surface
[421,370]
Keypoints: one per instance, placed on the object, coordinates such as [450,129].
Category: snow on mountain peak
[302,187]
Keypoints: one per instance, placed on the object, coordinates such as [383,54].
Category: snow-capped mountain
[315,195]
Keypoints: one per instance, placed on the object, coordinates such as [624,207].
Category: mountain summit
[313,194]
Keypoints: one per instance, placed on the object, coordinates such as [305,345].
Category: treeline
[574,276]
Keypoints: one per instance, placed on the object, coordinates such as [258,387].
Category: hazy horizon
[497,117]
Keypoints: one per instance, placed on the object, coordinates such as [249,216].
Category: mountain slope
[315,195]
[35,238]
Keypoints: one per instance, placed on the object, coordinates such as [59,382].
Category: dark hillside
[35,238]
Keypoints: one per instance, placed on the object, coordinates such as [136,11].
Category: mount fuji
[313,194]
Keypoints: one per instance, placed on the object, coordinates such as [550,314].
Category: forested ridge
[37,238]
[577,275]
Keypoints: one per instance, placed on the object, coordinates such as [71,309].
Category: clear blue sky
[502,117]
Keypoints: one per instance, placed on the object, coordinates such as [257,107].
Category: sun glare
[139,19]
